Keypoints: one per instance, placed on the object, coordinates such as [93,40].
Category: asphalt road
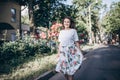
[100,64]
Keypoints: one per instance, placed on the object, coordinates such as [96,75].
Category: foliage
[25,19]
[62,11]
[49,11]
[112,18]
[30,70]
[82,34]
[14,53]
[88,13]
[44,12]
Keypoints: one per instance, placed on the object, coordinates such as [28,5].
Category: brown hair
[72,24]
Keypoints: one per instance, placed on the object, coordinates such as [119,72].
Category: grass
[33,68]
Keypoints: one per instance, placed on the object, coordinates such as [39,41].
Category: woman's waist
[67,45]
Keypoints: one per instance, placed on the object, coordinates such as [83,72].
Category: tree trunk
[31,17]
[90,26]
[20,30]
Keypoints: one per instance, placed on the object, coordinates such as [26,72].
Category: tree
[112,19]
[49,11]
[44,12]
[41,12]
[88,15]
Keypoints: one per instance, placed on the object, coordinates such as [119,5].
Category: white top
[68,37]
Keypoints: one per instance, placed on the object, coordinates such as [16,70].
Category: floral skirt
[69,60]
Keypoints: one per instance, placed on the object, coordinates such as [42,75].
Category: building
[10,20]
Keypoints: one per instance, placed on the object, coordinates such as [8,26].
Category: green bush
[15,53]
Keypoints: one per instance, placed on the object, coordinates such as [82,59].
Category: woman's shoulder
[74,30]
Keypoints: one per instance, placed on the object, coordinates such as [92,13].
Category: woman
[69,52]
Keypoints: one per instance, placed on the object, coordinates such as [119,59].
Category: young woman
[69,52]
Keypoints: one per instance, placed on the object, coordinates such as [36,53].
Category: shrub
[15,53]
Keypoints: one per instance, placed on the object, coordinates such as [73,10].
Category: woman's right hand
[58,54]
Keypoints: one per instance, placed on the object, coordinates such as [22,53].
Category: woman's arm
[58,50]
[78,45]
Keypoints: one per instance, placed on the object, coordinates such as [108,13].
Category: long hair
[72,23]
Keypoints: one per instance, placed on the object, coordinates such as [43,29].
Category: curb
[46,76]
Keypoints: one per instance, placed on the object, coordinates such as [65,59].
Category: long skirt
[69,60]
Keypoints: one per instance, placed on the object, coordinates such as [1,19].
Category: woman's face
[66,23]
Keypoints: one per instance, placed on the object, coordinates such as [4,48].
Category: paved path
[100,64]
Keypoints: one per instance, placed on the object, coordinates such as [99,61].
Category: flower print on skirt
[70,59]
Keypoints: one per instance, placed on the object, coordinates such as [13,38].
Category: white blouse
[68,37]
